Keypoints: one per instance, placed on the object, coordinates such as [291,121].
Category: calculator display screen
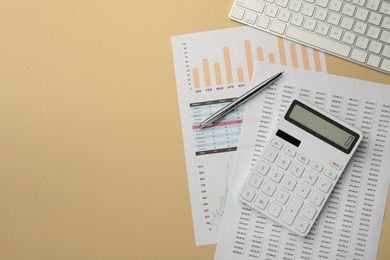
[321,126]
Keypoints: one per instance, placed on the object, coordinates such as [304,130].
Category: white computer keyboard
[299,166]
[356,30]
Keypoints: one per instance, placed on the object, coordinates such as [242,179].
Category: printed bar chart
[286,53]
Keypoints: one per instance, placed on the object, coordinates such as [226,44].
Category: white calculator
[299,166]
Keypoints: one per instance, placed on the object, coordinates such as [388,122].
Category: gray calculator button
[317,166]
[289,183]
[292,210]
[261,202]
[263,167]
[277,144]
[303,159]
[283,162]
[310,177]
[288,150]
[335,164]
[274,209]
[276,175]
[255,181]
[301,225]
[309,211]
[297,169]
[248,194]
[282,196]
[269,188]
[302,190]
[316,198]
[270,155]
[330,173]
[324,185]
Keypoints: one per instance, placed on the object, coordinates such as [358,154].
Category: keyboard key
[374,60]
[322,3]
[307,10]
[334,18]
[362,42]
[309,24]
[257,6]
[301,225]
[271,11]
[261,202]
[385,8]
[373,32]
[296,20]
[297,169]
[302,190]
[250,17]
[346,23]
[277,27]
[385,65]
[335,33]
[284,15]
[270,155]
[292,210]
[373,4]
[375,47]
[282,196]
[309,211]
[263,167]
[248,194]
[349,37]
[255,181]
[289,183]
[282,3]
[274,209]
[269,188]
[238,13]
[295,5]
[324,185]
[310,177]
[316,198]
[263,22]
[335,5]
[335,164]
[276,175]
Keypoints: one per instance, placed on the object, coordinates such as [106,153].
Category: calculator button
[297,169]
[276,175]
[270,155]
[292,210]
[255,181]
[335,164]
[316,198]
[288,150]
[301,225]
[303,159]
[289,183]
[316,166]
[309,211]
[282,196]
[269,188]
[310,177]
[274,209]
[302,190]
[277,144]
[283,162]
[263,167]
[261,202]
[248,194]
[331,174]
[324,185]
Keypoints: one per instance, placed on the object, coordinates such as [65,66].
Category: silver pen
[217,116]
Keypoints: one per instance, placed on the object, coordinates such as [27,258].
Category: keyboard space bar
[318,41]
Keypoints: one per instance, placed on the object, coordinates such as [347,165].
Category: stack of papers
[219,158]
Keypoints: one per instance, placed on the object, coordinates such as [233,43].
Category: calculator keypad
[288,186]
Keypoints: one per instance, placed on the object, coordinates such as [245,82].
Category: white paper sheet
[213,68]
[350,224]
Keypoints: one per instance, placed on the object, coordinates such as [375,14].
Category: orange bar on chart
[294,57]
[240,75]
[249,59]
[217,69]
[271,57]
[305,57]
[195,74]
[206,71]
[228,65]
[260,55]
[317,60]
[282,51]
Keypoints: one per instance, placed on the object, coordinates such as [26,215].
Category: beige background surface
[91,152]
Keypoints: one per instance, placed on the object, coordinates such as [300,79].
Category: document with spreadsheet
[350,224]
